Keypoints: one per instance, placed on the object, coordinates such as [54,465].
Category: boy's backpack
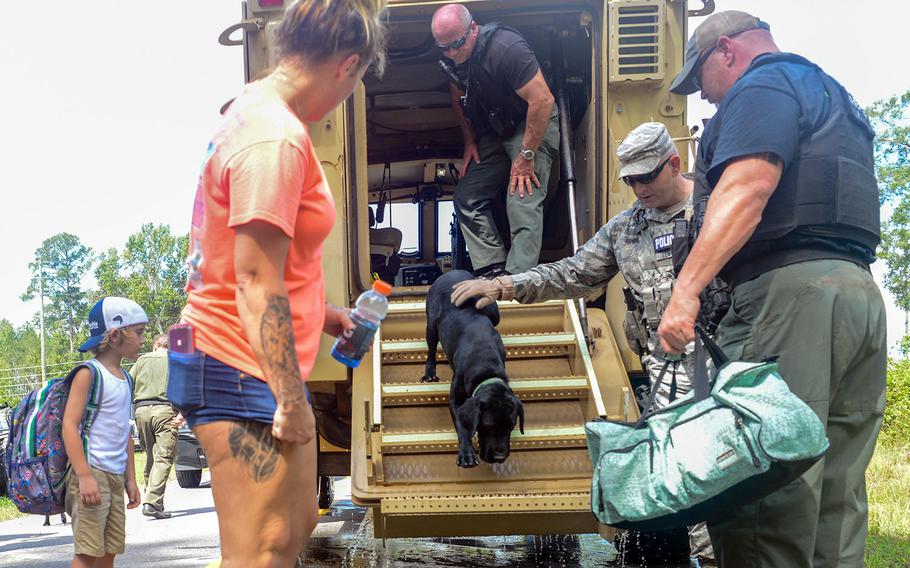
[35,462]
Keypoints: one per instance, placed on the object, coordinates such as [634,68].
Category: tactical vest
[490,104]
[829,191]
[657,277]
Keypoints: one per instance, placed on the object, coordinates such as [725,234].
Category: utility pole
[41,293]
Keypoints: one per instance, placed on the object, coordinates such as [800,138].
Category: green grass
[8,510]
[888,485]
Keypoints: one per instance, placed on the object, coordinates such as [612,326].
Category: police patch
[663,243]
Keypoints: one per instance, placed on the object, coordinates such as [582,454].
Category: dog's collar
[489,381]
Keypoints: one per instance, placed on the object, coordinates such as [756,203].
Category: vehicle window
[445,210]
[406,218]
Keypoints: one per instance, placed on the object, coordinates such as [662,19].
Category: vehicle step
[438,469]
[496,503]
[549,388]
[420,307]
[426,442]
[522,340]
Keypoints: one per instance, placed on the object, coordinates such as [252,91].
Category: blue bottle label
[354,343]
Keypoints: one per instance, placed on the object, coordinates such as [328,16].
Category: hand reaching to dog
[488,291]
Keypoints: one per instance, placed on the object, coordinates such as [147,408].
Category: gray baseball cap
[716,26]
[643,149]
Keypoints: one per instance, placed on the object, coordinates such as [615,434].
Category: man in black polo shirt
[511,136]
[787,213]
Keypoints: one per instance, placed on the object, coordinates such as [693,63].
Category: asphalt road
[189,538]
[343,538]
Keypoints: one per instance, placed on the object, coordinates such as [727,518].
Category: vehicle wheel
[189,478]
[326,491]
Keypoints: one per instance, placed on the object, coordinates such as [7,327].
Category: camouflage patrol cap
[645,148]
[727,23]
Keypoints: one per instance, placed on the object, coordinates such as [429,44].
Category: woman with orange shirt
[256,297]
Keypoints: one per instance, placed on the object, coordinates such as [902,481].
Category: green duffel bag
[720,446]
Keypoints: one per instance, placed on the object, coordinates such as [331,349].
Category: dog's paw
[426,379]
[467,459]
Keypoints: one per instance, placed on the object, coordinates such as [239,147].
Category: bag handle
[701,385]
[649,406]
[717,354]
[705,346]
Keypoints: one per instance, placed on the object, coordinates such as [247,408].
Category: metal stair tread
[517,386]
[420,307]
[523,340]
[565,432]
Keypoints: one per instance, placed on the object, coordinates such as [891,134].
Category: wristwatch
[527,154]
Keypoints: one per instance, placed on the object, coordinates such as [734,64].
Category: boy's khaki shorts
[99,529]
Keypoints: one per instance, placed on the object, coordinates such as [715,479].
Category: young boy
[103,468]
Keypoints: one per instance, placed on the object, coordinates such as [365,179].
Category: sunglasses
[696,79]
[645,179]
[457,43]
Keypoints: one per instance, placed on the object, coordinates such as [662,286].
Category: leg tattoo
[253,444]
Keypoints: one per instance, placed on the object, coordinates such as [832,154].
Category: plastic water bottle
[371,308]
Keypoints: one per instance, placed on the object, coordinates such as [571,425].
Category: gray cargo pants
[826,321]
[486,181]
[159,439]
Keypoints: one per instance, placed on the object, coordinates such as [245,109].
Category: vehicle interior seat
[384,247]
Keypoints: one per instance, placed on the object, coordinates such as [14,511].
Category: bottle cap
[382,287]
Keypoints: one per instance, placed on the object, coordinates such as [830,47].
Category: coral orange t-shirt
[260,166]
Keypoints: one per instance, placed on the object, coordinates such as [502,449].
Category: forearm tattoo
[253,444]
[277,333]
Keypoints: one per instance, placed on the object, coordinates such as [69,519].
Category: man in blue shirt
[787,214]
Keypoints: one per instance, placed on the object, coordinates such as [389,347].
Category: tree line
[150,269]
[891,120]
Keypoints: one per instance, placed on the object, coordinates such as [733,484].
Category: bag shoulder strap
[129,381]
[95,397]
[649,405]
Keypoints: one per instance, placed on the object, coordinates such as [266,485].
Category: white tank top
[110,431]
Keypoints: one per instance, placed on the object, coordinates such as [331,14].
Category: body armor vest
[490,104]
[828,191]
[657,277]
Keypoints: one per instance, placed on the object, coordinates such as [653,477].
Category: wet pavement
[344,538]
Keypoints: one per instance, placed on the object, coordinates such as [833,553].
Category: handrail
[360,285]
[566,158]
[377,381]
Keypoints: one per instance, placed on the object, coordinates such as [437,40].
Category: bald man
[511,135]
[787,208]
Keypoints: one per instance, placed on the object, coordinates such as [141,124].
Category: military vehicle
[391,155]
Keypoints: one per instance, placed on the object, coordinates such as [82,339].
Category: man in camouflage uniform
[637,243]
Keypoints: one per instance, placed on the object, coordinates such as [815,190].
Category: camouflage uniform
[625,244]
[637,243]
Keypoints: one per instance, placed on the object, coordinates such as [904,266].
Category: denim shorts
[206,390]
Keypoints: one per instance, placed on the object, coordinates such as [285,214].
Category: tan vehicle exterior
[393,142]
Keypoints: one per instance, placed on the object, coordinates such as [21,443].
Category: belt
[152,402]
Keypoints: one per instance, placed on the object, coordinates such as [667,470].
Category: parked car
[190,458]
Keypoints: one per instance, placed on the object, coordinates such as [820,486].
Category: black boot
[150,510]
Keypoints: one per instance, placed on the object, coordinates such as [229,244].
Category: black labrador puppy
[480,398]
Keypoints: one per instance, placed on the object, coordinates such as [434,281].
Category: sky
[108,107]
